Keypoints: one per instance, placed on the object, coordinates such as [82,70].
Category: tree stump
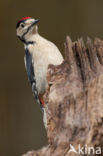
[74,101]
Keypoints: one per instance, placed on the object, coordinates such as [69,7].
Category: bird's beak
[33,23]
[36,21]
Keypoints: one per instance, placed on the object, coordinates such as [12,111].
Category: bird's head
[26,27]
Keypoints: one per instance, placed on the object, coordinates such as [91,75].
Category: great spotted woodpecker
[39,53]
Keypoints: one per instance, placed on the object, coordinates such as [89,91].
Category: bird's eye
[22,25]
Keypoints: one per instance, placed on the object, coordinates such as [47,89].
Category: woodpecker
[39,53]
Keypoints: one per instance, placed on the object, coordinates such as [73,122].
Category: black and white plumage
[31,74]
[39,53]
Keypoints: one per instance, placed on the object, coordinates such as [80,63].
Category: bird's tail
[43,109]
[35,93]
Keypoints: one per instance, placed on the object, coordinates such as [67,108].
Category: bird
[39,53]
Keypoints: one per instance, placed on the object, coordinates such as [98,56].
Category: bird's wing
[31,75]
[29,67]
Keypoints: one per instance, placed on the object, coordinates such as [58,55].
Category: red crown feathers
[24,18]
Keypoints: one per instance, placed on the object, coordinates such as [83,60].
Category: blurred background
[21,126]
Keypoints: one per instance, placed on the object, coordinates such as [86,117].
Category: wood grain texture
[75,100]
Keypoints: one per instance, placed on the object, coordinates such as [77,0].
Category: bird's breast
[43,53]
[40,69]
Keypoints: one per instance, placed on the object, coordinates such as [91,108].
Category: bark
[74,101]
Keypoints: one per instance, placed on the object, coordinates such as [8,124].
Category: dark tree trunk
[75,100]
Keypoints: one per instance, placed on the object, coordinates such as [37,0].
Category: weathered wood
[75,100]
